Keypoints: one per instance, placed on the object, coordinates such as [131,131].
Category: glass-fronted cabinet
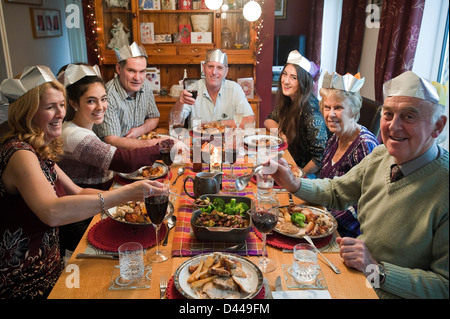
[175,36]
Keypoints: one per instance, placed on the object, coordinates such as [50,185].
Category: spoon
[171,222]
[179,173]
[335,269]
[242,181]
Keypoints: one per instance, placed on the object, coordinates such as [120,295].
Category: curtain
[315,37]
[351,36]
[397,40]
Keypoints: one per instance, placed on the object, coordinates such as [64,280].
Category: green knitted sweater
[403,224]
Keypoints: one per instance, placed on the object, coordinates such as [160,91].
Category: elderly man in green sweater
[404,246]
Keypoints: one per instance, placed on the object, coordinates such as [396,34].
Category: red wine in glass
[263,220]
[156,206]
[165,156]
[194,93]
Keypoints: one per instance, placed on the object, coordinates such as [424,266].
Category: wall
[24,49]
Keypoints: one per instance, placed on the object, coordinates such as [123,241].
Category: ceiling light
[252,11]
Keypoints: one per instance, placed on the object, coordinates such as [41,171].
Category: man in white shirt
[217,98]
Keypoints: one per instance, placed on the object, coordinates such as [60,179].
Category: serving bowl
[222,234]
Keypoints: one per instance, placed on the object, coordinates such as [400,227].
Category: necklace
[343,144]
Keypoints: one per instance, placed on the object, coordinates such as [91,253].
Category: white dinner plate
[136,175]
[182,274]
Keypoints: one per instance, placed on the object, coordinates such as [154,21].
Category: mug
[204,183]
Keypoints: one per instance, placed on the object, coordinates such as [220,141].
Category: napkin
[301,294]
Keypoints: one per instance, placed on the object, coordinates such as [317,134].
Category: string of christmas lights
[92,28]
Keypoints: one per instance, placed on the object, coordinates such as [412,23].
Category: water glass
[264,185]
[131,261]
[305,268]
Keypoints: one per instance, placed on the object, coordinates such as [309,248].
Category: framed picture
[280,9]
[45,23]
[33,2]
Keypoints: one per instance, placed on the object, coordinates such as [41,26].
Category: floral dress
[30,261]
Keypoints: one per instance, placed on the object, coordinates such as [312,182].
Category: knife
[104,256]
[291,201]
[278,286]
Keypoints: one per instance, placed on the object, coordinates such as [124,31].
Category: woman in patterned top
[350,143]
[36,196]
[297,116]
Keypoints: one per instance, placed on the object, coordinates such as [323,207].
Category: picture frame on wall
[280,9]
[46,23]
[33,2]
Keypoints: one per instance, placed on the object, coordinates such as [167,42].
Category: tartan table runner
[184,241]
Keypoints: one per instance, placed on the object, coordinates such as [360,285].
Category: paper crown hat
[412,85]
[296,58]
[347,82]
[74,72]
[32,76]
[130,51]
[217,55]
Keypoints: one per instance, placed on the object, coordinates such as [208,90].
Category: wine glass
[238,115]
[156,201]
[264,215]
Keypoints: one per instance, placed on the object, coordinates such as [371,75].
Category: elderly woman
[297,115]
[35,195]
[350,143]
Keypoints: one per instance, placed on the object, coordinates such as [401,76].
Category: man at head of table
[403,248]
[132,110]
[217,98]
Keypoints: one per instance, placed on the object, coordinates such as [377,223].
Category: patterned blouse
[30,261]
[363,145]
[311,137]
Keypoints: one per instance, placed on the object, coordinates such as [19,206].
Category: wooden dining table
[90,278]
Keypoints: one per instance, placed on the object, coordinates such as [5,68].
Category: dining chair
[370,115]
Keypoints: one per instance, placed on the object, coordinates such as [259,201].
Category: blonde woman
[36,196]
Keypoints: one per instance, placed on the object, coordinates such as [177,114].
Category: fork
[162,286]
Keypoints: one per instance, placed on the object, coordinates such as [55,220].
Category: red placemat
[109,234]
[173,293]
[284,242]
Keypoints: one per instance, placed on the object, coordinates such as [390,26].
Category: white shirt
[230,95]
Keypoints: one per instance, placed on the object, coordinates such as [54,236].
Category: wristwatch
[381,272]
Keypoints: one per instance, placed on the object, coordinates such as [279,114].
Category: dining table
[93,278]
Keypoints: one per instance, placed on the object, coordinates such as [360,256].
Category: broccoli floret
[298,219]
[241,208]
[219,203]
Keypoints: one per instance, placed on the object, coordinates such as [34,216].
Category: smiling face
[91,106]
[215,72]
[132,74]
[289,81]
[50,114]
[407,127]
[338,114]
